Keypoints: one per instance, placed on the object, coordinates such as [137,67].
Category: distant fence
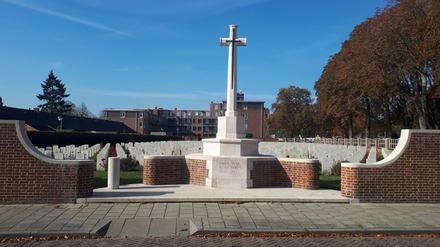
[388,143]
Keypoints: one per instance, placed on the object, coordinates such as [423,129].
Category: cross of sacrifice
[232,42]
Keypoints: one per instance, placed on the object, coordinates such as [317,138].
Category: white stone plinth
[230,127]
[230,147]
[114,168]
[229,171]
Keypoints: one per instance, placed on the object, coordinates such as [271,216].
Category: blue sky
[147,53]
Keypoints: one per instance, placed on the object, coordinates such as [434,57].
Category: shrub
[129,164]
[336,168]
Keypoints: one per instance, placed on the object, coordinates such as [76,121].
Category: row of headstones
[372,156]
[138,150]
[120,152]
[102,158]
[70,152]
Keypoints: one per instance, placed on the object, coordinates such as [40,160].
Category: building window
[245,115]
[208,114]
[189,114]
[194,128]
[199,128]
[178,113]
[216,107]
[141,114]
[199,121]
[201,114]
[122,114]
[194,121]
[216,114]
[245,126]
[266,115]
[141,124]
[196,113]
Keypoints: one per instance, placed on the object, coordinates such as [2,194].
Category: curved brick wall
[412,174]
[27,176]
[295,173]
[174,170]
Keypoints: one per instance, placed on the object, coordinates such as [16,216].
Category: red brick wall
[413,177]
[169,170]
[27,179]
[174,170]
[197,171]
[284,173]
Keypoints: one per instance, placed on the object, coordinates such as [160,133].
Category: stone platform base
[231,172]
[230,147]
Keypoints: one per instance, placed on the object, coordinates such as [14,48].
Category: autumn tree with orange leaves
[386,75]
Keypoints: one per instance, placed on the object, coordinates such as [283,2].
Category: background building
[192,123]
[45,121]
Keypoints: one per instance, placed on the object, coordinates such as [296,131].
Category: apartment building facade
[192,123]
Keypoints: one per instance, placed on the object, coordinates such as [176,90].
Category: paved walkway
[264,242]
[181,219]
[194,193]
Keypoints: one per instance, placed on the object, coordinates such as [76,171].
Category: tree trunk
[368,119]
[350,126]
[388,124]
[422,103]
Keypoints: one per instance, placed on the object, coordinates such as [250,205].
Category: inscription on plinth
[228,172]
[229,167]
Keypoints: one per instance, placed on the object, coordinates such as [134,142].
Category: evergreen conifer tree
[54,94]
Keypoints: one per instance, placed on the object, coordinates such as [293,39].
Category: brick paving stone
[182,227]
[115,227]
[73,217]
[135,228]
[162,227]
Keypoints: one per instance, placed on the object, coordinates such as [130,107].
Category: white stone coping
[299,160]
[20,129]
[228,140]
[405,136]
[205,157]
[158,157]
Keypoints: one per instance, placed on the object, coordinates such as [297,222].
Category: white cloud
[64,16]
[171,7]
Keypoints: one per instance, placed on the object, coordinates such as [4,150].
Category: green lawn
[330,182]
[132,177]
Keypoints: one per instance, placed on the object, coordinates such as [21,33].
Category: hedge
[50,138]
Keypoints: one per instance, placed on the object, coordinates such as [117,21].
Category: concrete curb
[98,231]
[231,200]
[47,234]
[200,231]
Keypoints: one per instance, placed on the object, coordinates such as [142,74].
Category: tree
[1,102]
[385,74]
[292,113]
[410,41]
[54,94]
[81,111]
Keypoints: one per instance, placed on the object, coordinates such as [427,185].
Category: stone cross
[232,42]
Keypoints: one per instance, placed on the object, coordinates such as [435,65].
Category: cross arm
[228,41]
[225,41]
